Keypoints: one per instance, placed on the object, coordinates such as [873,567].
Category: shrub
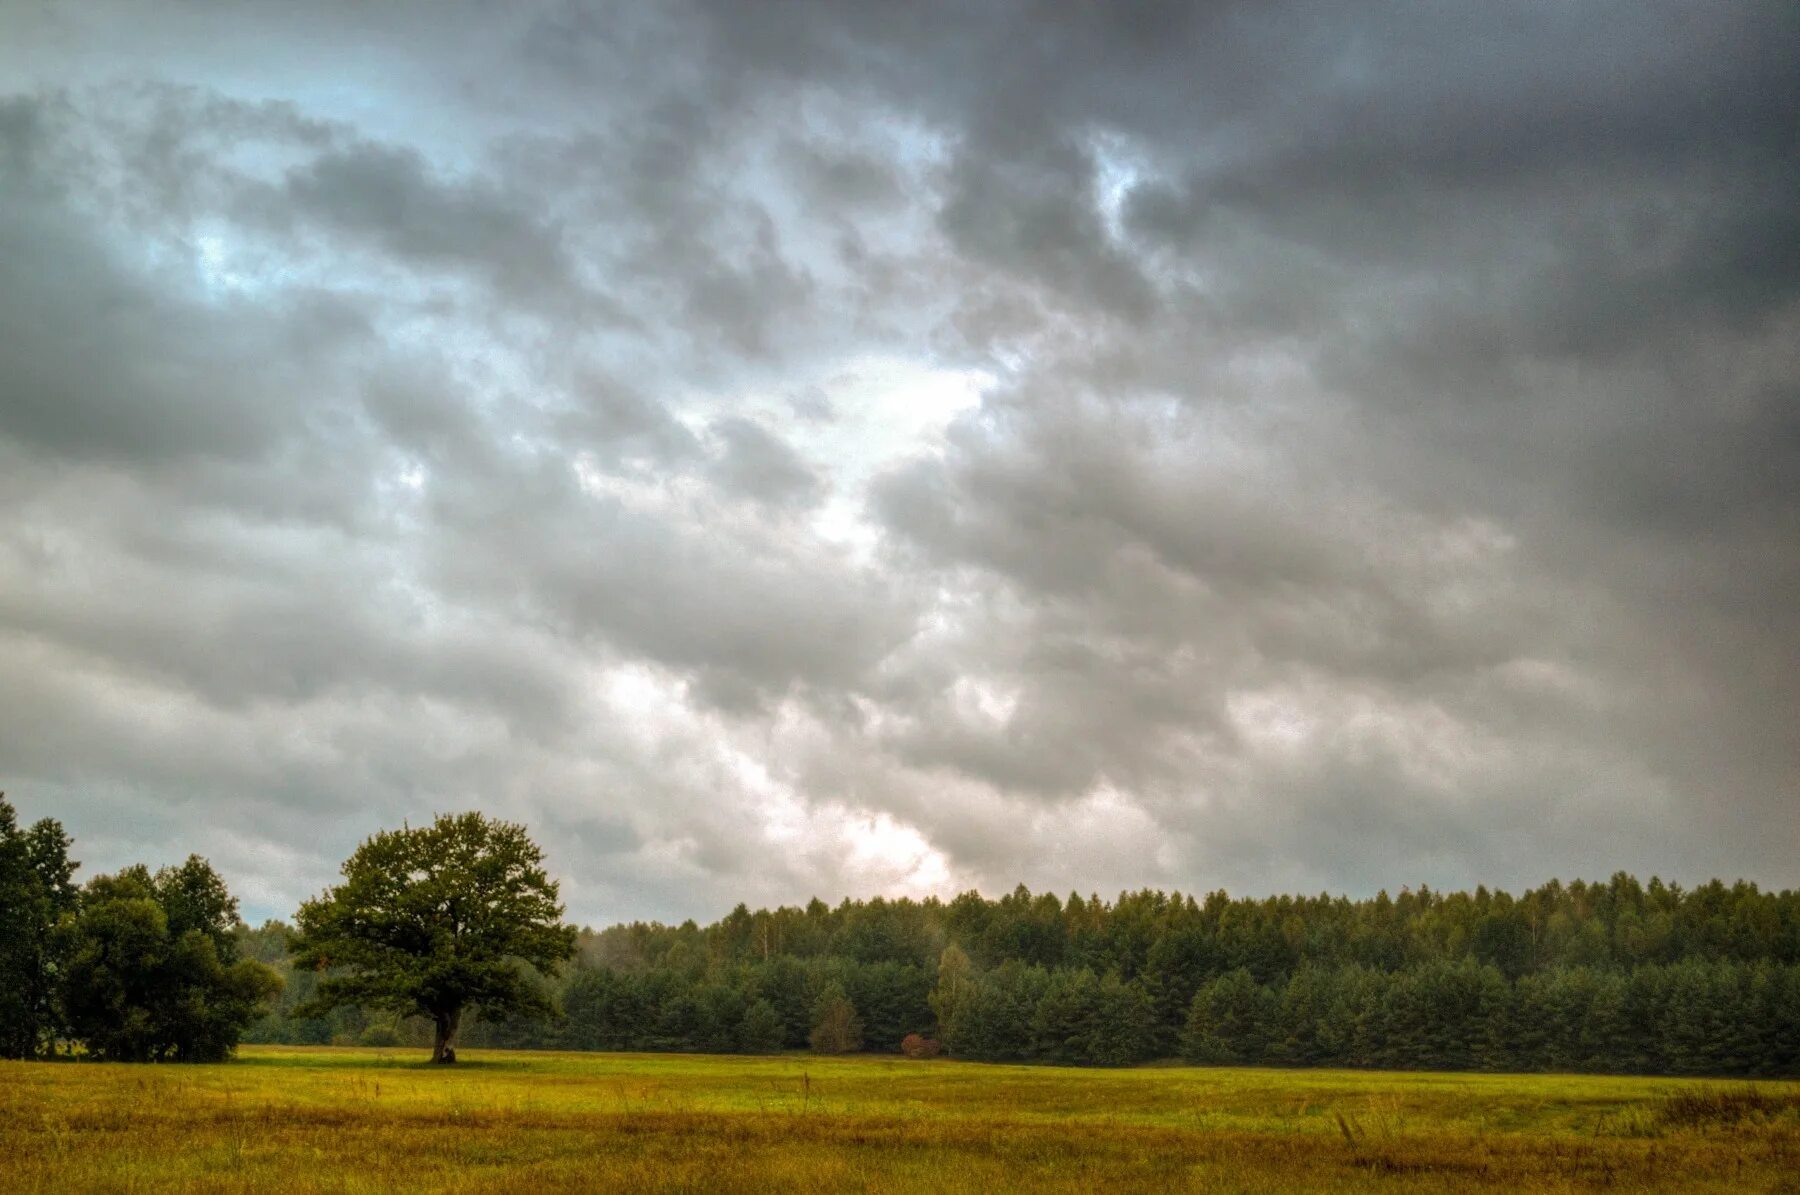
[914,1046]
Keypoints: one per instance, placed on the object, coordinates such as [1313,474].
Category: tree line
[453,932]
[1615,976]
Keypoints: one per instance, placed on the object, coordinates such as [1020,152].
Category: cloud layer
[828,448]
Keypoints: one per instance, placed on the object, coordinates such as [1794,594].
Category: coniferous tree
[604,1010]
[1230,1020]
[1125,1026]
[1067,1019]
[761,1031]
[892,999]
[997,1025]
[784,983]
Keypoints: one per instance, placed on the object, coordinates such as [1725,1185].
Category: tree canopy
[37,890]
[434,921]
[151,970]
[133,967]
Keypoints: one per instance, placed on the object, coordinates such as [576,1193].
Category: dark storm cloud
[823,447]
[1038,217]
[390,198]
[100,361]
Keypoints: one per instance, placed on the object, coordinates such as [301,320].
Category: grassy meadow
[316,1119]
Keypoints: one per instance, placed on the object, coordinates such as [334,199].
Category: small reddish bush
[915,1046]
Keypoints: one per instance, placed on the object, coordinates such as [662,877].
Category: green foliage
[1619,976]
[435,920]
[1231,1021]
[36,891]
[761,1031]
[604,1010]
[891,999]
[1067,1014]
[379,1036]
[195,899]
[719,1009]
[1081,1018]
[1126,1030]
[836,1027]
[999,1023]
[953,993]
[151,971]
[786,983]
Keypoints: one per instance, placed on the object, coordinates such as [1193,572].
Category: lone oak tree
[435,921]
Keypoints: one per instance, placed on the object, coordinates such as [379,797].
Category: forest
[1619,976]
[1615,976]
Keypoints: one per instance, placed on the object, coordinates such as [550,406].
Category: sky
[839,449]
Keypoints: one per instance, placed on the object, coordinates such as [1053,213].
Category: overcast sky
[819,448]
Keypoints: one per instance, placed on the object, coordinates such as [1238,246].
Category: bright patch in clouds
[884,411]
[776,454]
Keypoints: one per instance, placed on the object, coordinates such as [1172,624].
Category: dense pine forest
[1614,976]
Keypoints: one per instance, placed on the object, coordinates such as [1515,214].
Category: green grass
[301,1120]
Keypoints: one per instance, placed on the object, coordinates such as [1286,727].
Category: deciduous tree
[955,990]
[143,979]
[36,892]
[836,1027]
[437,920]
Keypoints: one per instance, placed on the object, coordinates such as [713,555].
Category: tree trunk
[443,1042]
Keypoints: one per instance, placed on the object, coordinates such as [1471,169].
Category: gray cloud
[754,464]
[388,198]
[835,447]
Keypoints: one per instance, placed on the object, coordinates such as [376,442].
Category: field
[301,1120]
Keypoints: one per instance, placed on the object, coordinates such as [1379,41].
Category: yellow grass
[302,1120]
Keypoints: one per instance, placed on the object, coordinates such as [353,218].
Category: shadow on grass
[363,1058]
